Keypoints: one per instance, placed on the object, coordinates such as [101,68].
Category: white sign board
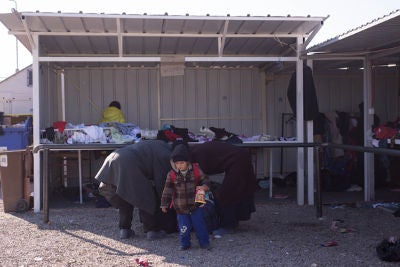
[172,66]
[3,158]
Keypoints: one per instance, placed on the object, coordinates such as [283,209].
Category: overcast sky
[343,15]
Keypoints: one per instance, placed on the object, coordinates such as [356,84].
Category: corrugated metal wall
[89,91]
[277,104]
[223,98]
[226,98]
[387,92]
[336,92]
[229,99]
[48,96]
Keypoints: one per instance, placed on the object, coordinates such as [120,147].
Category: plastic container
[14,138]
[12,170]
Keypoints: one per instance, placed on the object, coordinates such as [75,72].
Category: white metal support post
[369,168]
[310,163]
[300,123]
[36,124]
[310,158]
[62,76]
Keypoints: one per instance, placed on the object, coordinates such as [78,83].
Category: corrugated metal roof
[127,35]
[379,39]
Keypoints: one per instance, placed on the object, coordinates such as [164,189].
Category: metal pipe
[318,201]
[45,148]
[46,185]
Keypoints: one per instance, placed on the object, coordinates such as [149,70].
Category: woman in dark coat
[134,176]
[235,196]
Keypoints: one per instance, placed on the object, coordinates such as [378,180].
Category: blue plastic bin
[17,137]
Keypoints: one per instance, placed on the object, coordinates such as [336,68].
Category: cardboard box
[7,120]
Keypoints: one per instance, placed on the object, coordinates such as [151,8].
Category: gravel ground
[280,233]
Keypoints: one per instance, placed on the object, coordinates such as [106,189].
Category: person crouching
[180,191]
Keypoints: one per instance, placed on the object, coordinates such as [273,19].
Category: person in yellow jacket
[113,113]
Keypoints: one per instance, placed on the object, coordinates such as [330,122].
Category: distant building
[16,93]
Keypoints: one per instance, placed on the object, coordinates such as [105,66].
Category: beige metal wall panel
[146,100]
[130,107]
[107,88]
[96,93]
[335,93]
[201,91]
[387,86]
[88,92]
[179,102]
[48,99]
[153,84]
[227,99]
[192,100]
[121,88]
[339,92]
[84,101]
[76,85]
[224,98]
[235,95]
[166,95]
[277,104]
[213,95]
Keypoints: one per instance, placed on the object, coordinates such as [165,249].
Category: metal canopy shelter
[202,40]
[378,40]
[77,39]
[374,44]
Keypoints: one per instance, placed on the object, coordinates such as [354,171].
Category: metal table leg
[46,185]
[270,173]
[318,201]
[80,175]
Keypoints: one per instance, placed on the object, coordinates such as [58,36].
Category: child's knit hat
[180,153]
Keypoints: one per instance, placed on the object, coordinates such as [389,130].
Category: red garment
[59,125]
[170,135]
[384,132]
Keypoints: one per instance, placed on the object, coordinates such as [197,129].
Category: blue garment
[196,221]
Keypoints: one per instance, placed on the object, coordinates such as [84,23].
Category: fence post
[318,202]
